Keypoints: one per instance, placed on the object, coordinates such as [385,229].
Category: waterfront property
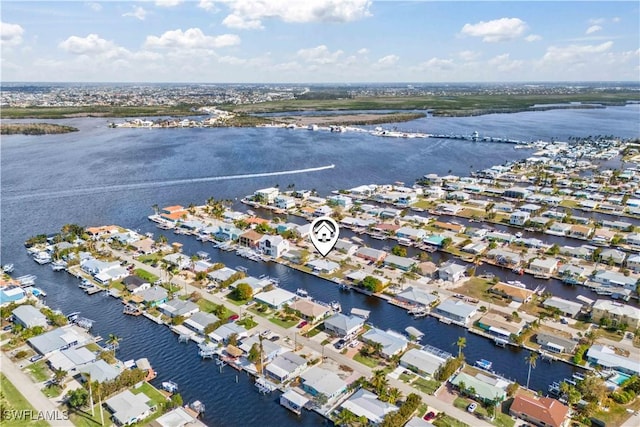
[500,326]
[451,272]
[310,310]
[317,381]
[128,408]
[285,367]
[276,298]
[565,307]
[555,343]
[423,362]
[455,310]
[99,371]
[71,359]
[293,401]
[514,293]
[28,316]
[607,358]
[486,388]
[153,297]
[12,294]
[392,342]
[403,263]
[342,325]
[540,411]
[64,337]
[363,403]
[178,417]
[416,296]
[222,334]
[178,307]
[199,321]
[616,312]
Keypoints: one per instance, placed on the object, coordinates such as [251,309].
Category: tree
[372,284]
[345,418]
[398,250]
[461,343]
[77,398]
[59,375]
[379,381]
[176,400]
[232,339]
[394,395]
[113,342]
[531,361]
[254,353]
[242,292]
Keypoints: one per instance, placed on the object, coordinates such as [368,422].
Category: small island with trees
[34,129]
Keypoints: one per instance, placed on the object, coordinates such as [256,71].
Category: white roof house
[225,331]
[606,357]
[99,371]
[414,295]
[276,298]
[71,358]
[128,408]
[423,362]
[200,320]
[64,337]
[363,403]
[544,266]
[28,316]
[566,307]
[177,307]
[286,366]
[177,417]
[343,325]
[222,274]
[455,310]
[317,381]
[392,342]
[323,265]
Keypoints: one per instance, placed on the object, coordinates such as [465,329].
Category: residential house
[285,202]
[285,367]
[530,208]
[323,211]
[504,257]
[607,358]
[451,272]
[317,380]
[71,358]
[105,230]
[516,193]
[403,263]
[544,266]
[28,316]
[487,388]
[540,411]
[323,266]
[178,417]
[99,371]
[178,259]
[57,339]
[633,263]
[612,256]
[410,233]
[199,320]
[342,325]
[270,349]
[565,307]
[615,279]
[223,333]
[500,326]
[392,342]
[341,200]
[267,195]
[250,239]
[578,231]
[276,298]
[346,247]
[428,269]
[135,284]
[228,232]
[310,310]
[371,254]
[128,408]
[178,307]
[221,274]
[274,246]
[424,362]
[153,297]
[555,343]
[417,296]
[455,310]
[514,293]
[519,218]
[365,404]
[618,313]
[12,294]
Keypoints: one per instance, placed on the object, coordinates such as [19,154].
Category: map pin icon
[324,234]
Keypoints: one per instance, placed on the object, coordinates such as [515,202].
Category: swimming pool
[619,378]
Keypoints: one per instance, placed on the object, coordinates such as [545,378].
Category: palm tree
[461,343]
[394,395]
[114,341]
[59,375]
[345,418]
[531,361]
[379,381]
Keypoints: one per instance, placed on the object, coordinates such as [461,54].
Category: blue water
[104,176]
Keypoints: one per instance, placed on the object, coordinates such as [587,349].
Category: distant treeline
[34,129]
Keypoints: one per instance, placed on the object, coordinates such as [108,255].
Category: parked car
[35,358]
[472,407]
[429,416]
[302,324]
[340,344]
[353,343]
[265,333]
[234,318]
[274,338]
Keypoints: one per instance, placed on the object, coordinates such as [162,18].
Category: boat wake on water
[154,184]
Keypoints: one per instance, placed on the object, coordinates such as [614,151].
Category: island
[34,129]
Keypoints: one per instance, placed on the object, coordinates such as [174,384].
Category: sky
[319,41]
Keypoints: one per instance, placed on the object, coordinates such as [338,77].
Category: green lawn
[501,420]
[39,371]
[148,259]
[313,332]
[117,285]
[11,399]
[145,275]
[151,392]
[447,421]
[93,347]
[83,418]
[426,386]
[52,391]
[367,361]
[284,323]
[237,302]
[247,322]
[407,378]
[208,307]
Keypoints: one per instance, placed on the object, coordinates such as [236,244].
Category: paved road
[29,390]
[328,350]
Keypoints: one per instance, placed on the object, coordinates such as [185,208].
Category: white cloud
[208,5]
[231,60]
[387,61]
[469,55]
[615,19]
[320,55]
[435,64]
[573,53]
[593,29]
[11,34]
[596,21]
[248,14]
[96,7]
[362,51]
[193,38]
[503,63]
[168,3]
[90,45]
[533,38]
[137,12]
[498,30]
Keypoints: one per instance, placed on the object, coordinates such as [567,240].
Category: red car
[429,416]
[234,318]
[302,324]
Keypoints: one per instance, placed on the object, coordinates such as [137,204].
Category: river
[113,176]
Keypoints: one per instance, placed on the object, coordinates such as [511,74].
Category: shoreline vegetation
[455,105]
[34,129]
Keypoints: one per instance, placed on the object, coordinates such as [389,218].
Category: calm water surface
[104,176]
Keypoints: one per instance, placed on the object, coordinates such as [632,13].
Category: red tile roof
[550,411]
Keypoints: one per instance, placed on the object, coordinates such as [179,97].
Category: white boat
[58,265]
[29,279]
[484,364]
[42,257]
[170,386]
[517,284]
[302,293]
[335,305]
[7,268]
[197,406]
